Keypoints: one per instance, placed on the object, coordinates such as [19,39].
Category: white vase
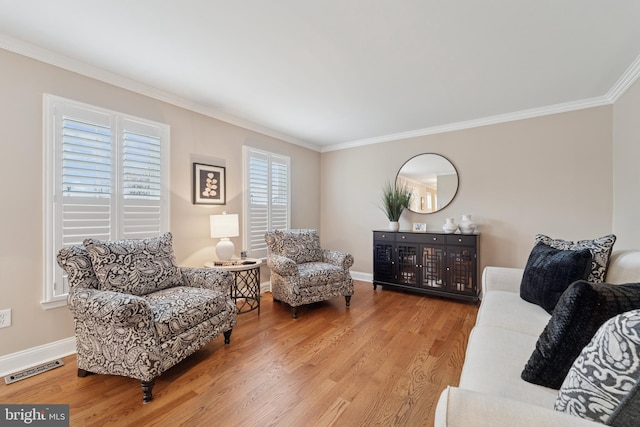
[449,226]
[394,226]
[467,226]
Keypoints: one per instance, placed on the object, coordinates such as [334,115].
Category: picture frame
[419,226]
[209,185]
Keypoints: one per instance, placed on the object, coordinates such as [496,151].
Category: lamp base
[224,249]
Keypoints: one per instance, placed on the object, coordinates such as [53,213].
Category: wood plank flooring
[383,361]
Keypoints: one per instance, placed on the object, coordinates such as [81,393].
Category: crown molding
[44,55]
[61,61]
[485,121]
[625,81]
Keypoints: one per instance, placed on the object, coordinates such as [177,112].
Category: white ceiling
[330,74]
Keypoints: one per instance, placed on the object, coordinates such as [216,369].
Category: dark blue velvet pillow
[550,271]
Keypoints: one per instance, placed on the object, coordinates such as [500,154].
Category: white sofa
[491,392]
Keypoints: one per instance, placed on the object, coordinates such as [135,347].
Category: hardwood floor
[383,361]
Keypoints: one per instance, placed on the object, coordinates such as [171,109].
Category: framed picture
[419,226]
[209,185]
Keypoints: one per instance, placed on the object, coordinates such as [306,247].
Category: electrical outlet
[5,318]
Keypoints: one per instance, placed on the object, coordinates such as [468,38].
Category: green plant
[395,198]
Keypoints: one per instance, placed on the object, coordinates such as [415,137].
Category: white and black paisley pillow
[134,266]
[600,251]
[603,383]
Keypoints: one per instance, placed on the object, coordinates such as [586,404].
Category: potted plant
[395,198]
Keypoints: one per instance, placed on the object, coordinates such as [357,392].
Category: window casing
[267,201]
[106,177]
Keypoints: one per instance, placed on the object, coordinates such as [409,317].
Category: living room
[566,169]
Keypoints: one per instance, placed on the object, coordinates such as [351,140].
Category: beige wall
[551,174]
[194,137]
[626,170]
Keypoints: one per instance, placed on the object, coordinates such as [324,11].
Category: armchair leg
[348,300]
[227,337]
[83,373]
[294,312]
[147,387]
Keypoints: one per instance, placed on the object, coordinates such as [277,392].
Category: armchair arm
[211,278]
[282,265]
[342,259]
[110,307]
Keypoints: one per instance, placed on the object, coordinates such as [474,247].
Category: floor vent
[35,370]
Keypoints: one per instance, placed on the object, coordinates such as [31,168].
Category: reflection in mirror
[432,180]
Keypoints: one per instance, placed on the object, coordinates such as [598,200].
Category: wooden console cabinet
[431,263]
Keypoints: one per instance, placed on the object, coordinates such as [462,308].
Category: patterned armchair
[136,313]
[302,272]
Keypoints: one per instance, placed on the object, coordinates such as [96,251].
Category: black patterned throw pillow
[604,382]
[600,250]
[581,310]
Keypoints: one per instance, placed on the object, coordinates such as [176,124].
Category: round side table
[246,288]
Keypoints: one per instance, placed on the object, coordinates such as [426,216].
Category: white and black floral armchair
[302,272]
[136,313]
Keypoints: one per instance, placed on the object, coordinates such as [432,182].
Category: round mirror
[432,180]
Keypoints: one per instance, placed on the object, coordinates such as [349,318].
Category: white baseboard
[364,277]
[37,355]
[265,287]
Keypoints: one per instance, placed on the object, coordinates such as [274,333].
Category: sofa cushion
[550,271]
[134,266]
[603,383]
[178,309]
[302,245]
[600,250]
[493,362]
[319,274]
[507,310]
[581,310]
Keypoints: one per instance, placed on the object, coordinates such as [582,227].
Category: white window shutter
[267,198]
[141,184]
[106,178]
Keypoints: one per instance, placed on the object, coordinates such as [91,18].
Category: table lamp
[222,227]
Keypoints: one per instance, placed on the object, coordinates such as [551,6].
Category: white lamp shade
[224,226]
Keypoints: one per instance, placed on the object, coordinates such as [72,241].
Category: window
[106,177]
[267,197]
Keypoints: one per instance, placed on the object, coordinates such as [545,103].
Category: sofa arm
[211,278]
[501,279]
[342,259]
[460,407]
[282,265]
[114,308]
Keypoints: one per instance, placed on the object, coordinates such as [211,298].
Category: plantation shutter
[141,180]
[267,198]
[279,193]
[86,178]
[106,179]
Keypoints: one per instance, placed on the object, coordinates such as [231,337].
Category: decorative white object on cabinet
[467,226]
[450,226]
